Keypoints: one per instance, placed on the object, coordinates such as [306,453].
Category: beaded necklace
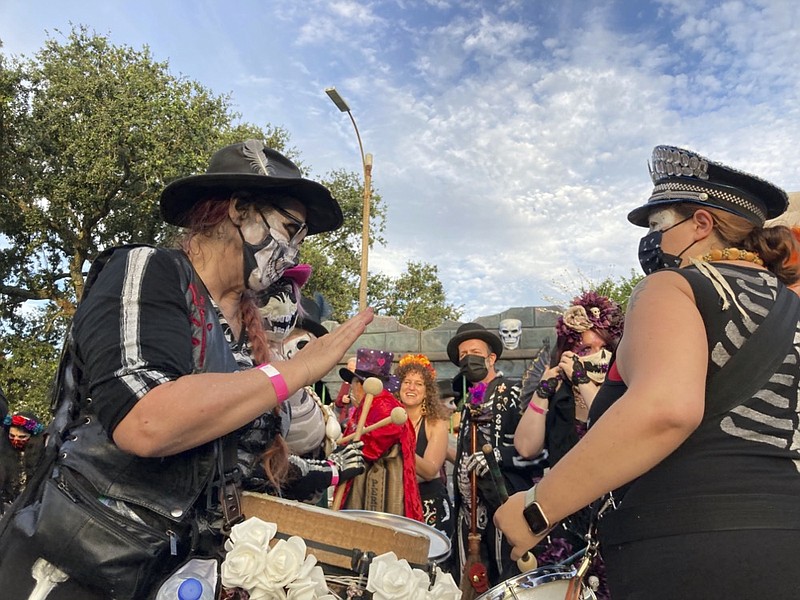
[732,254]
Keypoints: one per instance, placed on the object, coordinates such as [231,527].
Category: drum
[544,583]
[439,549]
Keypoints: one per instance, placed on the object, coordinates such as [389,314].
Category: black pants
[718,565]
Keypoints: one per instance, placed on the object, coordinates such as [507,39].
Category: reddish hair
[204,217]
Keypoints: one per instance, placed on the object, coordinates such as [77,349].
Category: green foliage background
[90,133]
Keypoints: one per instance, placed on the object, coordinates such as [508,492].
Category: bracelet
[278,382]
[547,387]
[536,408]
[334,473]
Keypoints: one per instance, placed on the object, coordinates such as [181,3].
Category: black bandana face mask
[652,257]
[473,368]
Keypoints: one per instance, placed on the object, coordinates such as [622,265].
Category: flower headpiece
[590,310]
[417,359]
[27,423]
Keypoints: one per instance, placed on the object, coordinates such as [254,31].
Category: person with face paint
[695,428]
[20,453]
[493,402]
[309,428]
[556,411]
[166,365]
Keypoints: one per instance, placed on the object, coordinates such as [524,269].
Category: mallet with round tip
[372,387]
[398,416]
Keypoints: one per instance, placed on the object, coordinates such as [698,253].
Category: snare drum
[439,549]
[544,583]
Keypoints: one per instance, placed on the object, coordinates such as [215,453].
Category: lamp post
[366,163]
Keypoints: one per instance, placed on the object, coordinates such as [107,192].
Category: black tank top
[742,454]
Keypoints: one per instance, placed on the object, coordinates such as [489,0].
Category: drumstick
[526,562]
[398,416]
[372,387]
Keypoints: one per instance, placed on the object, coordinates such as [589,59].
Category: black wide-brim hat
[251,166]
[473,331]
[682,176]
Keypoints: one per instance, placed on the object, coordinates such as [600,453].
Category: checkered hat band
[735,203]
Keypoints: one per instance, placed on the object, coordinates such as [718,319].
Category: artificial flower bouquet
[253,570]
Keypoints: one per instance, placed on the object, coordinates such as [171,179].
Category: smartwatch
[533,514]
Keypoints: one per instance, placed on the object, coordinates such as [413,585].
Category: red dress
[377,442]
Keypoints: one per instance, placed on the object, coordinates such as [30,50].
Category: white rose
[310,587]
[283,562]
[444,587]
[274,593]
[393,579]
[252,531]
[243,565]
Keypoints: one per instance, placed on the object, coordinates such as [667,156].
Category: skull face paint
[510,331]
[280,234]
[281,308]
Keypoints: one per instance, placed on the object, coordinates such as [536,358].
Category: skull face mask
[281,308]
[510,331]
[265,261]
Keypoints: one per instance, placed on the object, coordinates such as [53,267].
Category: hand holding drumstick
[526,562]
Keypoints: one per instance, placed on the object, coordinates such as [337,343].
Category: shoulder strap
[750,368]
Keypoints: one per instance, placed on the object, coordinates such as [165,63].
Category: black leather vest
[169,486]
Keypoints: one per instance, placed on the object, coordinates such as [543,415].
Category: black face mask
[473,368]
[652,257]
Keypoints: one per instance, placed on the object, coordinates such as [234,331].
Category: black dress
[437,508]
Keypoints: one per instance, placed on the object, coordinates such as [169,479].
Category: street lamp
[366,162]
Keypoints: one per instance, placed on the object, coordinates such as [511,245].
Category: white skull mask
[510,331]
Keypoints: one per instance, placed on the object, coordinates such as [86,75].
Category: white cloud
[510,138]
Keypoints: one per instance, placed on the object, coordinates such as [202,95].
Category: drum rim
[547,574]
[408,525]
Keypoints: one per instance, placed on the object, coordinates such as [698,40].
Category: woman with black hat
[166,365]
[695,428]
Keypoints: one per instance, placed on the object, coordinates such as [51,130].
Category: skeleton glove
[348,460]
[477,462]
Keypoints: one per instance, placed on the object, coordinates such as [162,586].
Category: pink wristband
[536,408]
[278,382]
[334,473]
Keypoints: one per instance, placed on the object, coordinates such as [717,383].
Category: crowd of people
[195,372]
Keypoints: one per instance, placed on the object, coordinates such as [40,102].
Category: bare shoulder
[655,286]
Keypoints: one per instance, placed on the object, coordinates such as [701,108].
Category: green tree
[90,133]
[416,298]
[94,132]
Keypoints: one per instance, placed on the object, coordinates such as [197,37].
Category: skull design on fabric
[510,331]
[265,261]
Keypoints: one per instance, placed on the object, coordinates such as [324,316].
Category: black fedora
[252,167]
[473,331]
[683,176]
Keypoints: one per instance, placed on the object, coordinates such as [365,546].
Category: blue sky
[511,137]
